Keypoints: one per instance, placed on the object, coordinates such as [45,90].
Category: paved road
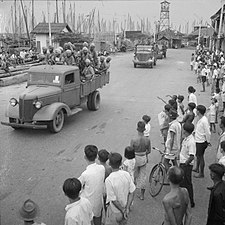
[34,163]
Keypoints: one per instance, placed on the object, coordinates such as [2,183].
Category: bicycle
[157,175]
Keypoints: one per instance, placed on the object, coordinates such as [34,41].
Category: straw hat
[29,210]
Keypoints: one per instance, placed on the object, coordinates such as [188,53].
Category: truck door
[71,90]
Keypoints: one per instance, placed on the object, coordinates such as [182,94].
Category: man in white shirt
[187,154]
[92,180]
[202,139]
[79,211]
[173,139]
[120,192]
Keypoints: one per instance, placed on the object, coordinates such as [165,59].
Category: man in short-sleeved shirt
[187,153]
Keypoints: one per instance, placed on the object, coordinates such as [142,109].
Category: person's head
[66,46]
[222,147]
[50,48]
[103,155]
[174,97]
[173,114]
[191,106]
[44,50]
[85,50]
[201,110]
[29,211]
[175,175]
[216,171]
[167,108]
[115,160]
[92,46]
[180,98]
[129,152]
[192,54]
[108,59]
[85,44]
[222,123]
[72,188]
[188,128]
[91,152]
[146,118]
[172,102]
[191,89]
[217,90]
[87,62]
[140,126]
[102,59]
[68,53]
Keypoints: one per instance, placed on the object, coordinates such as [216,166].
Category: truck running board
[76,110]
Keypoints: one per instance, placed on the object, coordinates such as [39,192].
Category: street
[35,163]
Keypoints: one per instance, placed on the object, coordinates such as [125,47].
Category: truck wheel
[13,120]
[93,102]
[56,124]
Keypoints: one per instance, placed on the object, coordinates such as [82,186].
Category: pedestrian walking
[202,138]
[173,140]
[187,154]
[79,211]
[142,148]
[176,203]
[120,192]
[92,181]
[216,208]
[29,212]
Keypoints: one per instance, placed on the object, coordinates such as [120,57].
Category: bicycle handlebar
[163,153]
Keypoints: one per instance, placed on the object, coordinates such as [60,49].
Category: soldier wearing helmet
[51,55]
[69,59]
[107,62]
[57,59]
[84,54]
[88,72]
[44,56]
[102,66]
[93,55]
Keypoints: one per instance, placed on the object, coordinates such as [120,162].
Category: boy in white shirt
[222,159]
[147,120]
[79,211]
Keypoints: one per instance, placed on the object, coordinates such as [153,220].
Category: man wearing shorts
[202,139]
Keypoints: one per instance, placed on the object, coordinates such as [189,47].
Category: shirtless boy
[176,203]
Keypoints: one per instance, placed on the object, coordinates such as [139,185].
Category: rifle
[162,100]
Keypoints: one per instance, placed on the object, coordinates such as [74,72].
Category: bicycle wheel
[156,180]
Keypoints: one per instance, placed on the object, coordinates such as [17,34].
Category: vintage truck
[52,93]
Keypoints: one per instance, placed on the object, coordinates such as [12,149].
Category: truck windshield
[41,78]
[144,48]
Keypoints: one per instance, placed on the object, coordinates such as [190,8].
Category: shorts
[200,148]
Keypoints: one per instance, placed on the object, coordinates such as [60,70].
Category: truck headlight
[37,104]
[13,102]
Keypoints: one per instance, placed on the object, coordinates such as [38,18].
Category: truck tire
[93,102]
[13,120]
[56,124]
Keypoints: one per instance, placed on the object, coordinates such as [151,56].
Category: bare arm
[169,212]
[188,215]
[172,139]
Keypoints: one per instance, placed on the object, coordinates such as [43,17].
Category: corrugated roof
[43,28]
[209,32]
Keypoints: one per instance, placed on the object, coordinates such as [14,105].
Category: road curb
[13,80]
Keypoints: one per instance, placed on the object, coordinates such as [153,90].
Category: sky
[181,11]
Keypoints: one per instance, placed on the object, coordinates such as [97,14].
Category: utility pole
[32,14]
[57,11]
[49,24]
[25,19]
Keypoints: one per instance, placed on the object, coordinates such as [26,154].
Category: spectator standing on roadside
[176,203]
[202,138]
[103,156]
[180,108]
[192,61]
[189,116]
[79,211]
[221,138]
[28,212]
[222,149]
[147,120]
[120,192]
[216,208]
[187,154]
[142,148]
[173,140]
[212,115]
[92,180]
[223,93]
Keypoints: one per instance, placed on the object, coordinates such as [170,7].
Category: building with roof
[172,38]
[217,20]
[41,32]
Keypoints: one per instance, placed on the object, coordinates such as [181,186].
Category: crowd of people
[86,59]
[104,192]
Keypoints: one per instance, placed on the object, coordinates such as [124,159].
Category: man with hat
[216,208]
[28,212]
[142,147]
[173,140]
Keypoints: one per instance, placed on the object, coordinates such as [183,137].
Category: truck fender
[48,112]
[12,111]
